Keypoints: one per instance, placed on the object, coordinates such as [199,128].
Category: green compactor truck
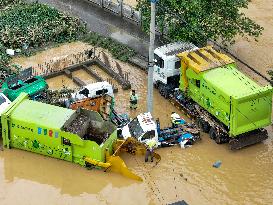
[80,136]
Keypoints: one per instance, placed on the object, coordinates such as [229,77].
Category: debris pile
[95,136]
[57,97]
[77,125]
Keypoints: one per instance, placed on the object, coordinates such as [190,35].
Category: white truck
[167,66]
[94,90]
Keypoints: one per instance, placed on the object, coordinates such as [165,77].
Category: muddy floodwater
[245,176]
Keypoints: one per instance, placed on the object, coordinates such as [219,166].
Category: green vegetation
[4,62]
[117,49]
[31,26]
[199,20]
[36,25]
[8,3]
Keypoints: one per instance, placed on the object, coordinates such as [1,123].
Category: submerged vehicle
[80,136]
[35,86]
[208,86]
[144,128]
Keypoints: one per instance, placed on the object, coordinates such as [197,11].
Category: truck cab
[141,128]
[167,66]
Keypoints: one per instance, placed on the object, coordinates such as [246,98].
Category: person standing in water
[133,100]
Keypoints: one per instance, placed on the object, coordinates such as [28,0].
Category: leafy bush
[117,49]
[36,25]
[6,3]
[199,20]
[5,68]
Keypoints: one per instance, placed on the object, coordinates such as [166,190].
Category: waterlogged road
[245,176]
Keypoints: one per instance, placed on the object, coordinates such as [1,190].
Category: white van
[4,103]
[94,90]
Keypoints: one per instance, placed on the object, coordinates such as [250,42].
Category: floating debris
[217,164]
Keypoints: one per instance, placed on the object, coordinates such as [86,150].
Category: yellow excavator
[116,164]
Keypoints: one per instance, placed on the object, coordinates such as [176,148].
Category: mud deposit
[245,176]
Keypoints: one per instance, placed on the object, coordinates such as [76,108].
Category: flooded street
[245,176]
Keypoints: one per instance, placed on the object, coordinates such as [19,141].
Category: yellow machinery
[116,164]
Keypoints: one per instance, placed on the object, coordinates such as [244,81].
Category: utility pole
[151,59]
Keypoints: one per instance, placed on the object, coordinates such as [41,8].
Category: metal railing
[118,7]
[60,64]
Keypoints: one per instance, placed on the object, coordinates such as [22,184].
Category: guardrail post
[120,4]
[140,18]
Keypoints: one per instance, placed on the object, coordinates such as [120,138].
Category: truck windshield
[2,100]
[135,128]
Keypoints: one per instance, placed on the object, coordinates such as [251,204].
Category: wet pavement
[105,23]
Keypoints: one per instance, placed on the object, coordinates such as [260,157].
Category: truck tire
[212,133]
[163,90]
[218,138]
[203,125]
[156,85]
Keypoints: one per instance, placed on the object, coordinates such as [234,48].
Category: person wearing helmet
[151,144]
[176,120]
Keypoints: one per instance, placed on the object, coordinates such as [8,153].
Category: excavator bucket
[119,166]
[131,146]
[116,164]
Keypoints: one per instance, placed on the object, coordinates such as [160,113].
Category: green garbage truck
[80,136]
[207,85]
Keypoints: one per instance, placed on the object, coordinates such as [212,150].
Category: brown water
[258,54]
[245,176]
[60,81]
[84,76]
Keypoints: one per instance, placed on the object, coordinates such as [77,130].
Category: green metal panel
[38,127]
[32,88]
[225,92]
[230,81]
[47,115]
[251,112]
[26,136]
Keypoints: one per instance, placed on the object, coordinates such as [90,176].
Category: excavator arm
[116,164]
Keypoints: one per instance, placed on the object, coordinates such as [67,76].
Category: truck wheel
[212,133]
[163,91]
[203,125]
[156,85]
[219,139]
